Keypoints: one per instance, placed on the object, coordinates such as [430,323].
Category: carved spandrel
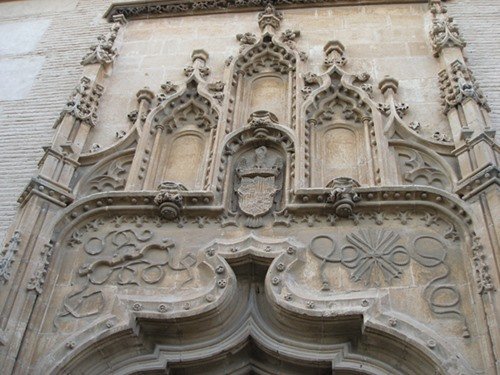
[418,168]
[110,177]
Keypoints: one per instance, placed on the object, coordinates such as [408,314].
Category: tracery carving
[111,176]
[264,69]
[419,168]
[338,114]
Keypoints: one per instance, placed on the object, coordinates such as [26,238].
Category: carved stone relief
[111,176]
[201,214]
[419,168]
[258,183]
[83,102]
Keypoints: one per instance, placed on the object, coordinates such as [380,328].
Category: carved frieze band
[175,8]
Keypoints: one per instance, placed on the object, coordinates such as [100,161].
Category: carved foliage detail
[38,279]
[458,86]
[83,102]
[8,255]
[103,52]
[445,33]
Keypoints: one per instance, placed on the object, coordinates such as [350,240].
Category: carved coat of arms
[259,183]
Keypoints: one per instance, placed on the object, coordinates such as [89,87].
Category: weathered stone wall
[39,63]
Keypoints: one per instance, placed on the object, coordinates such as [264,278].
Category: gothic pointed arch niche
[258,165]
[182,131]
[338,116]
[263,74]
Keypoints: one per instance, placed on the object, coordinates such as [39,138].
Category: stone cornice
[175,8]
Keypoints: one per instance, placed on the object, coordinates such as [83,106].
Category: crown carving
[262,166]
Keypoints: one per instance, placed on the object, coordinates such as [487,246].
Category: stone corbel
[343,196]
[170,200]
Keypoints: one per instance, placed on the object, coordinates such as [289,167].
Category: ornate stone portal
[225,233]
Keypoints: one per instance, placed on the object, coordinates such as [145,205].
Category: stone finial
[199,59]
[169,200]
[388,83]
[334,53]
[445,33]
[270,18]
[200,54]
[145,94]
[342,196]
[119,18]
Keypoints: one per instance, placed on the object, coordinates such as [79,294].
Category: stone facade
[235,188]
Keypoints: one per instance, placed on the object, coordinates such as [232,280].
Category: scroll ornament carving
[103,52]
[259,180]
[445,33]
[8,256]
[126,256]
[38,279]
[83,102]
[169,200]
[459,86]
[342,196]
[371,252]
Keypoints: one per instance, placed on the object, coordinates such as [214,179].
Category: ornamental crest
[259,183]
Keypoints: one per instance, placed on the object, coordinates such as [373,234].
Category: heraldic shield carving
[260,181]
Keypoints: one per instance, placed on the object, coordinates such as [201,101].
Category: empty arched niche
[338,153]
[267,93]
[184,159]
